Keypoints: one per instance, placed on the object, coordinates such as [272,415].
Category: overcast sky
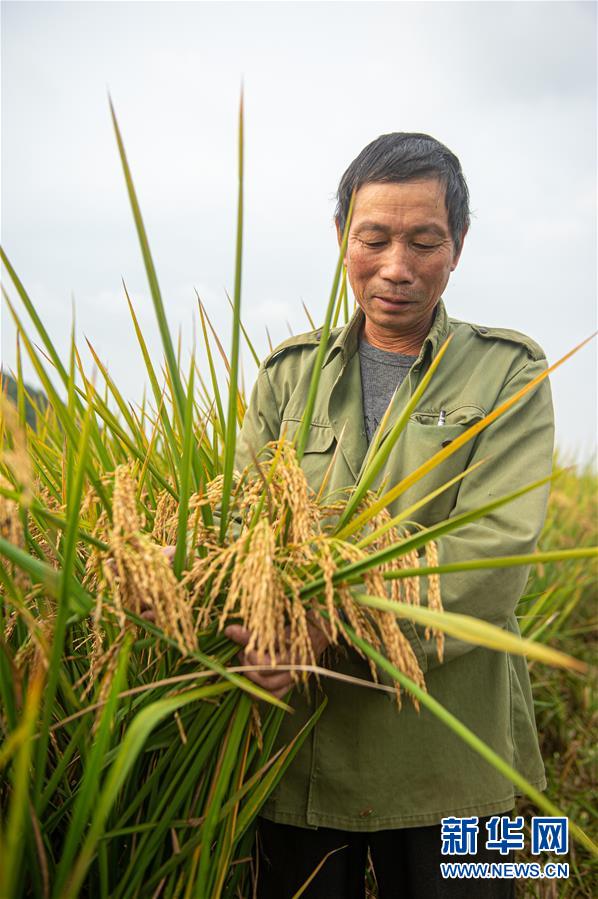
[510,87]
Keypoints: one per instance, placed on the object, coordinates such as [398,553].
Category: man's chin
[398,313]
[393,317]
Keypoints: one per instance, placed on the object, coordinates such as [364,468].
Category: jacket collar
[347,340]
[345,343]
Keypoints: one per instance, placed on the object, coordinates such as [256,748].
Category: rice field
[135,754]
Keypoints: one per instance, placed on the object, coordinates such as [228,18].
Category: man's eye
[373,244]
[425,246]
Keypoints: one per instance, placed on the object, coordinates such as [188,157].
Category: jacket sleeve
[518,448]
[261,423]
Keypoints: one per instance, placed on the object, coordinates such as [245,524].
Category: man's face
[400,255]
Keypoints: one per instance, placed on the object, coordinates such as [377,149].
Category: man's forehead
[422,202]
[417,192]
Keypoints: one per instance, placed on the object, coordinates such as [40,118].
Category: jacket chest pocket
[421,440]
[318,452]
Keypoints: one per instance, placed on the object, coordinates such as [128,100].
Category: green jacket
[368,766]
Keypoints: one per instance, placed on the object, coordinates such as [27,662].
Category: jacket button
[483,330]
[366,813]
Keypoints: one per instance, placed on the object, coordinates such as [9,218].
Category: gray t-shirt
[381,373]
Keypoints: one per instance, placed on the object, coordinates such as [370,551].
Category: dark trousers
[406,864]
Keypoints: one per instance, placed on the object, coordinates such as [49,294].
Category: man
[370,775]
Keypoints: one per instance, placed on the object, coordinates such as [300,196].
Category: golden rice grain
[15,454]
[141,577]
[434,599]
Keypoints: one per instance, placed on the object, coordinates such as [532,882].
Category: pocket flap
[319,439]
[464,416]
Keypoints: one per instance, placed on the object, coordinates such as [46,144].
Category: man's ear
[458,255]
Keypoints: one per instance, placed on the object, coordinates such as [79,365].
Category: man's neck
[409,343]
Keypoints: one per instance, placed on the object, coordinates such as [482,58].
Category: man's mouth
[393,301]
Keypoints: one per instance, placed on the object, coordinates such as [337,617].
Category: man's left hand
[276,682]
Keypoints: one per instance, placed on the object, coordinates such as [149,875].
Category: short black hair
[405,156]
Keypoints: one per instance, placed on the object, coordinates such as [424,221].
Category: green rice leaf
[185,478]
[152,277]
[231,421]
[89,787]
[128,752]
[473,630]
[12,839]
[63,607]
[34,317]
[215,387]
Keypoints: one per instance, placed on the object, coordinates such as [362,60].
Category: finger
[276,682]
[169,552]
[255,658]
[281,658]
[237,634]
[149,615]
[277,690]
[267,669]
[282,681]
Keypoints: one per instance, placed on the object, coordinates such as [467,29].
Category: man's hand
[278,683]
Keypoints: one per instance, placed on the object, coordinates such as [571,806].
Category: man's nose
[397,264]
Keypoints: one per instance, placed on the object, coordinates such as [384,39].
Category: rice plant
[560,606]
[136,755]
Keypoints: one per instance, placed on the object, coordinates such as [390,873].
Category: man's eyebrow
[371,226]
[429,228]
